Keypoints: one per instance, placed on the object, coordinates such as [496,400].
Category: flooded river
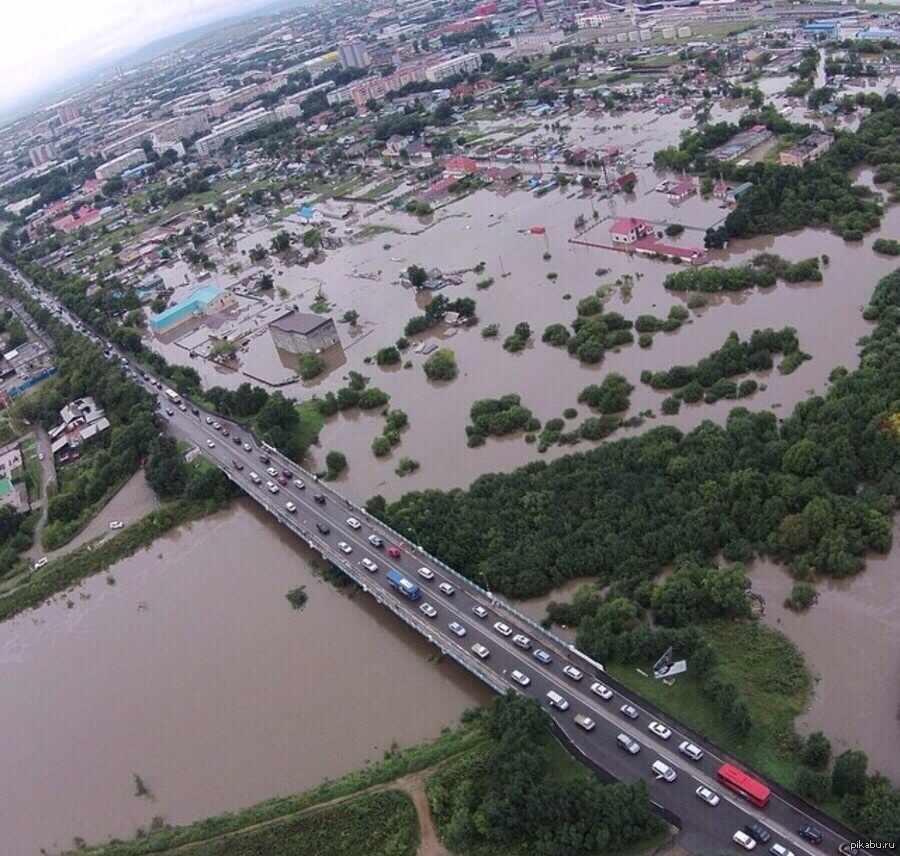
[193,672]
[851,640]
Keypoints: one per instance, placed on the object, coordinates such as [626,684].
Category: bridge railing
[383,596]
[520,616]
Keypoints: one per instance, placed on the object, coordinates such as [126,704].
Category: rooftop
[303,323]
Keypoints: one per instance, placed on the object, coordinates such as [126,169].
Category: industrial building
[807,150]
[201,301]
[301,332]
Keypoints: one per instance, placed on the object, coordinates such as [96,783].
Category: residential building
[81,420]
[201,301]
[627,230]
[85,215]
[13,491]
[118,165]
[67,113]
[535,42]
[301,332]
[807,150]
[354,54]
[450,67]
[180,127]
[592,19]
[42,154]
[460,165]
[681,190]
[233,128]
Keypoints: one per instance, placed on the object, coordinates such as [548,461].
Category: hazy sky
[45,42]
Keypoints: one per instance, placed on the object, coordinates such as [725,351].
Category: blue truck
[408,589]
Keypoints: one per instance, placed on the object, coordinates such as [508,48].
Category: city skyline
[41,54]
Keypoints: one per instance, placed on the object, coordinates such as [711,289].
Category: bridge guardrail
[382,595]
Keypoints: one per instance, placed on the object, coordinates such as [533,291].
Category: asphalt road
[705,828]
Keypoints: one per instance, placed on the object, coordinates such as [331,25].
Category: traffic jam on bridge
[710,798]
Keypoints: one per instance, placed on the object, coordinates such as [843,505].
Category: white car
[584,722]
[426,573]
[480,650]
[573,673]
[369,565]
[116,524]
[353,523]
[272,487]
[707,795]
[744,840]
[520,677]
[344,547]
[503,629]
[247,447]
[216,425]
[209,420]
[447,589]
[480,611]
[272,472]
[781,850]
[428,609]
[210,444]
[457,628]
[299,484]
[291,507]
[375,541]
[601,690]
[521,641]
[660,730]
[629,711]
[40,563]
[695,753]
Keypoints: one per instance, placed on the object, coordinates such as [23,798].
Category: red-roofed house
[627,230]
[460,165]
[681,190]
[84,216]
[622,180]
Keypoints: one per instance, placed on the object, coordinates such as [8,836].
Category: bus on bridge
[749,788]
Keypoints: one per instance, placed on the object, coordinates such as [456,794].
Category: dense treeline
[817,491]
[499,416]
[763,271]
[505,796]
[705,378]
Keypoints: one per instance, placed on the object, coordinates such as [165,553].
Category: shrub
[570,413]
[381,446]
[336,463]
[674,229]
[556,334]
[490,331]
[613,395]
[441,365]
[803,595]
[671,405]
[406,466]
[372,398]
[645,340]
[590,305]
[513,344]
[310,365]
[389,356]
[887,246]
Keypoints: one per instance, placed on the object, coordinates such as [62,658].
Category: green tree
[417,275]
[166,471]
[441,365]
[848,776]
[335,463]
[816,751]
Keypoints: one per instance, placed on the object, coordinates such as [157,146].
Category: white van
[556,700]
[255,478]
[663,771]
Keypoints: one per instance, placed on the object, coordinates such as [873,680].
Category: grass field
[311,422]
[770,674]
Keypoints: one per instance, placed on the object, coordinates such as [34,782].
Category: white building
[44,153]
[118,165]
[232,129]
[354,54]
[593,19]
[449,67]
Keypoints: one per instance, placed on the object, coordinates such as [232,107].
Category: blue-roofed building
[201,301]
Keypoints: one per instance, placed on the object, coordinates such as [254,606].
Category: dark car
[236,440]
[169,411]
[281,480]
[323,528]
[287,474]
[264,459]
[195,411]
[810,833]
[760,833]
[237,465]
[319,498]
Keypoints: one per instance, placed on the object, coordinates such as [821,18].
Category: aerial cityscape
[450,427]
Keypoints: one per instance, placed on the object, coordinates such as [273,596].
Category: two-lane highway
[326,520]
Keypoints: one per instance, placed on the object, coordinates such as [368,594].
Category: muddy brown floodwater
[851,640]
[195,673]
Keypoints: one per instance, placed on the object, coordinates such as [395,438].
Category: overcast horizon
[40,54]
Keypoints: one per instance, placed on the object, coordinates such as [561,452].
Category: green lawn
[770,674]
[311,422]
[384,188]
[34,472]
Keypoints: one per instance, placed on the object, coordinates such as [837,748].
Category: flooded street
[194,672]
[851,641]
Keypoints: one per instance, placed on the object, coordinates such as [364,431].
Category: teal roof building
[194,304]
